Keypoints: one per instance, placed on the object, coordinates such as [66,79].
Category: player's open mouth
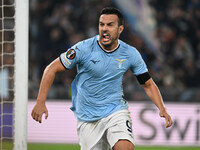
[105,37]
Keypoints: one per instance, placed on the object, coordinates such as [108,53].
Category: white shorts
[104,134]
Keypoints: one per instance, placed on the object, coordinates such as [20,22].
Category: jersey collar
[107,50]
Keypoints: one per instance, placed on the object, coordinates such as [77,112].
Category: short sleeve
[72,56]
[138,65]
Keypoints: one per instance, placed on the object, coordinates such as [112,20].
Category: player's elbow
[50,69]
[148,83]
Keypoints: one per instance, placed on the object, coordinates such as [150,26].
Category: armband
[142,78]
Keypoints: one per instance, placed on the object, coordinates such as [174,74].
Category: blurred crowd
[178,35]
[175,65]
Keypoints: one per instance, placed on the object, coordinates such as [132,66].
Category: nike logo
[95,61]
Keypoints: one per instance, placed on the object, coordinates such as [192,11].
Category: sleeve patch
[71,54]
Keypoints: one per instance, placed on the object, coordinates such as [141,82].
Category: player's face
[109,31]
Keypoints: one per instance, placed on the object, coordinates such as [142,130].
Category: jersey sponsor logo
[120,61]
[71,54]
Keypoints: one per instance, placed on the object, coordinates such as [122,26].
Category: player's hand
[167,117]
[38,110]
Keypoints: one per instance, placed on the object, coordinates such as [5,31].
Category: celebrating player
[97,99]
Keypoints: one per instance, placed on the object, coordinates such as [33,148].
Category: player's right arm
[46,82]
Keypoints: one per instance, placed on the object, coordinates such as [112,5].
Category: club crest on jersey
[120,61]
[71,54]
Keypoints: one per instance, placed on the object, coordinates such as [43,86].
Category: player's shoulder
[88,42]
[128,48]
[85,46]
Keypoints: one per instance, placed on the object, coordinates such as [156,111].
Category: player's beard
[113,40]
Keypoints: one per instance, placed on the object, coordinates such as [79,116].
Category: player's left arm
[153,92]
[139,68]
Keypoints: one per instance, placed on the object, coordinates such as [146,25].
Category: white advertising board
[148,127]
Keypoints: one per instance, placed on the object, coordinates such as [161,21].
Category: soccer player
[103,118]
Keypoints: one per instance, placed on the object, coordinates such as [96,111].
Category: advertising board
[148,127]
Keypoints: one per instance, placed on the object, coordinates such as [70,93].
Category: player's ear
[121,28]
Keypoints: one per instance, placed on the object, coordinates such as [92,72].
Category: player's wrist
[163,110]
[40,101]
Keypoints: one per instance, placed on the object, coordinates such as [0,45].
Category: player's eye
[101,24]
[110,24]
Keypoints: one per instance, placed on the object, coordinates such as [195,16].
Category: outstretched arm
[46,82]
[153,92]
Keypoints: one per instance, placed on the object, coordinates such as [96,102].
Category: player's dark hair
[115,11]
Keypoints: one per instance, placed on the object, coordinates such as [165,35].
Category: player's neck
[109,50]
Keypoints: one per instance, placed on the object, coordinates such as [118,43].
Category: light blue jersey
[97,88]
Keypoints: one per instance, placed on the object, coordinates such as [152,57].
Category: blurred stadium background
[167,34]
